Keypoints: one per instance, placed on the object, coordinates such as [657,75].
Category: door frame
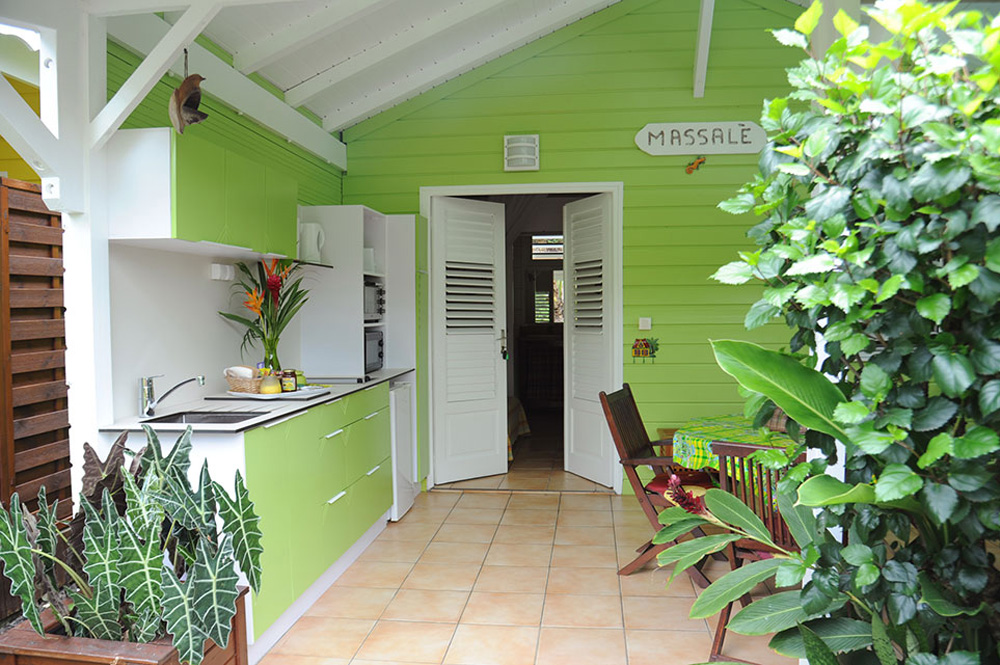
[616,272]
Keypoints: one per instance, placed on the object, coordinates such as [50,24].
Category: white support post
[703,46]
[149,72]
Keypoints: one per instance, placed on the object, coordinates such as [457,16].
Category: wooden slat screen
[34,433]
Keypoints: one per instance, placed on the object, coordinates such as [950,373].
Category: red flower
[685,499]
[274,286]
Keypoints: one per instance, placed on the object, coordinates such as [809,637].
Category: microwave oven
[374,350]
[374,301]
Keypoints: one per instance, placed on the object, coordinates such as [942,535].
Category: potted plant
[146,570]
[274,299]
[880,248]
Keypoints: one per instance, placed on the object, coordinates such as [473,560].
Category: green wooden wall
[587,89]
[319,183]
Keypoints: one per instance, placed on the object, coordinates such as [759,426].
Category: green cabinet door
[246,202]
[198,176]
[282,193]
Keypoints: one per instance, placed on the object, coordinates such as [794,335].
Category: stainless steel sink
[206,417]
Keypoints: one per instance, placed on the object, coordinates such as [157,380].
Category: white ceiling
[346,60]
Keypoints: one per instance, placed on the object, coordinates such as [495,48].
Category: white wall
[164,321]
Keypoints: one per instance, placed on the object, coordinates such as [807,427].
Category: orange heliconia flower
[254,301]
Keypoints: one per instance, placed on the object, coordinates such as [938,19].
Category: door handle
[503,343]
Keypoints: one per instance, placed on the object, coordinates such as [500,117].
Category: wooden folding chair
[635,450]
[755,486]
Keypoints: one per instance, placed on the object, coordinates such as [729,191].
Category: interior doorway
[536,230]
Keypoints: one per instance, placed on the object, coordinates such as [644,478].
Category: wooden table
[693,440]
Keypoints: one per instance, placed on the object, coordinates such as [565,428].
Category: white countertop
[269,409]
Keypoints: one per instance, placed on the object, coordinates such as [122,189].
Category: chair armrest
[651,461]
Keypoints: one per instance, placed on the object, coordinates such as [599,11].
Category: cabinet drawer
[366,401]
[374,494]
[366,443]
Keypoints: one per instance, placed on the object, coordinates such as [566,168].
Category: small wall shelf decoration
[645,348]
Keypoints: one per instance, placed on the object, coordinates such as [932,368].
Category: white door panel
[589,342]
[468,319]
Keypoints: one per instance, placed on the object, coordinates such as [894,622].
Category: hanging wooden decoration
[183,107]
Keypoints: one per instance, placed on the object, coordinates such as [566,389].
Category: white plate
[306,392]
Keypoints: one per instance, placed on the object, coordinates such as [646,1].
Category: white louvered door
[468,321]
[587,230]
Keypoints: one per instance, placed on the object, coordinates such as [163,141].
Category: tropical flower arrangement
[274,298]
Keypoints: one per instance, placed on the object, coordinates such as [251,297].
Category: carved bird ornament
[184,103]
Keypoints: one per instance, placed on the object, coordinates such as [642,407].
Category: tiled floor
[502,578]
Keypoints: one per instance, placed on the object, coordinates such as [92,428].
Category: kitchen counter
[270,410]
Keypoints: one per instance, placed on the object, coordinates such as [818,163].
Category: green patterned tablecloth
[693,440]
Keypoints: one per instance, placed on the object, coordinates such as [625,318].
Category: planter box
[21,645]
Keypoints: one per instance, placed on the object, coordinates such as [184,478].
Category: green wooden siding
[587,89]
[319,182]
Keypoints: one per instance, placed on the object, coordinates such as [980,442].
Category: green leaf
[800,519]
[938,179]
[936,414]
[733,585]
[857,554]
[934,307]
[671,515]
[804,394]
[940,501]
[875,382]
[937,448]
[828,491]
[817,263]
[817,652]
[183,618]
[192,510]
[867,574]
[963,275]
[692,551]
[932,595]
[897,481]
[953,373]
[215,591]
[809,19]
[770,614]
[989,397]
[177,460]
[241,523]
[98,616]
[840,634]
[851,413]
[19,564]
[670,533]
[100,548]
[47,539]
[993,255]
[141,567]
[731,510]
[736,272]
[738,204]
[881,643]
[788,37]
[760,312]
[978,441]
[870,439]
[141,507]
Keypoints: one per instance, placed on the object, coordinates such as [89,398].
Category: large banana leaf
[215,583]
[19,563]
[243,525]
[141,567]
[770,614]
[97,617]
[183,618]
[729,587]
[179,458]
[804,394]
[840,634]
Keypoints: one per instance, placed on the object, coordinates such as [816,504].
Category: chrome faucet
[148,400]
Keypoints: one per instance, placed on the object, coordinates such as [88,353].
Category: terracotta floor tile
[581,556]
[585,502]
[365,661]
[439,552]
[572,484]
[281,659]
[324,637]
[465,533]
[519,555]
[603,581]
[632,520]
[426,515]
[413,641]
[524,483]
[487,483]
[647,647]
[529,517]
[512,579]
[347,602]
[489,501]
[662,612]
[525,534]
[654,583]
[583,646]
[585,535]
[492,645]
[474,516]
[406,531]
[528,472]
[426,605]
[375,574]
[437,499]
[507,609]
[442,576]
[584,518]
[582,611]
[534,501]
[398,551]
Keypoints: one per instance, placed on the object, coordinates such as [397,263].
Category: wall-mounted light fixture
[520,152]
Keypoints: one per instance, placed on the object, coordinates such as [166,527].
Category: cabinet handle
[374,470]
[333,434]
[285,420]
[336,498]
[371,415]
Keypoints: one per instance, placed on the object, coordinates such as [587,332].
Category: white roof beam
[463,61]
[423,31]
[703,46]
[303,32]
[235,89]
[149,72]
[27,134]
[129,7]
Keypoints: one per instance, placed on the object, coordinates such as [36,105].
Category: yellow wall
[10,161]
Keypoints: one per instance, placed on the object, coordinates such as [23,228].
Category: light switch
[645,323]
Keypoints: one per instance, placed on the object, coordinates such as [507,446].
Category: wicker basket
[239,384]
